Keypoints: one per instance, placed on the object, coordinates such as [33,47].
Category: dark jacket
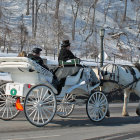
[38,60]
[65,55]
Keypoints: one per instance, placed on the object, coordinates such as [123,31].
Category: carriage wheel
[40,105]
[8,110]
[66,106]
[97,106]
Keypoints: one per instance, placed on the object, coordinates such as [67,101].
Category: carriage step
[82,97]
[80,102]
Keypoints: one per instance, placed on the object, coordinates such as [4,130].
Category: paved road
[76,127]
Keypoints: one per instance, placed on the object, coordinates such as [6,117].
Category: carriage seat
[24,70]
[71,62]
[72,80]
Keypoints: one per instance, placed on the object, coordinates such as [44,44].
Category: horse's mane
[137,65]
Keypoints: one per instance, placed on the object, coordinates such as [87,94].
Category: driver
[65,52]
[62,72]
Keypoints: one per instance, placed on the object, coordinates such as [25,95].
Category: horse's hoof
[125,114]
[107,113]
[138,111]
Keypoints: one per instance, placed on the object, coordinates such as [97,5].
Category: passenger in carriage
[36,57]
[22,54]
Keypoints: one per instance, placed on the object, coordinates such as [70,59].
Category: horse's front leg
[126,100]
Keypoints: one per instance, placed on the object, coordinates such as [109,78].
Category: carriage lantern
[102,33]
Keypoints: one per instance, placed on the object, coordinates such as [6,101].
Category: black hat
[65,43]
[37,50]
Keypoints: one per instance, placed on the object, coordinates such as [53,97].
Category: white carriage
[31,85]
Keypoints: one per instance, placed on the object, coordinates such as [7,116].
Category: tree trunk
[57,9]
[93,20]
[33,17]
[56,15]
[36,13]
[74,20]
[4,42]
[125,10]
[21,33]
[27,13]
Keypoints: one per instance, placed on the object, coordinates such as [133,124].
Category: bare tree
[33,13]
[27,12]
[23,33]
[138,20]
[57,9]
[6,34]
[57,23]
[75,13]
[92,20]
[106,10]
[36,17]
[125,10]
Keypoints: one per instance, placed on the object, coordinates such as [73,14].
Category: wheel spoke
[47,110]
[91,104]
[101,112]
[103,101]
[47,102]
[31,108]
[3,97]
[99,97]
[45,94]
[47,98]
[44,113]
[34,115]
[38,116]
[2,105]
[4,111]
[41,94]
[32,112]
[41,117]
[11,111]
[103,104]
[7,110]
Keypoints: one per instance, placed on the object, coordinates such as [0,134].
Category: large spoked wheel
[97,106]
[8,109]
[66,106]
[40,105]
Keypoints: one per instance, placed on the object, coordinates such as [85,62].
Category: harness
[130,68]
[112,75]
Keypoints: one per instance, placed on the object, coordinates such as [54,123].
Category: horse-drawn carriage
[32,87]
